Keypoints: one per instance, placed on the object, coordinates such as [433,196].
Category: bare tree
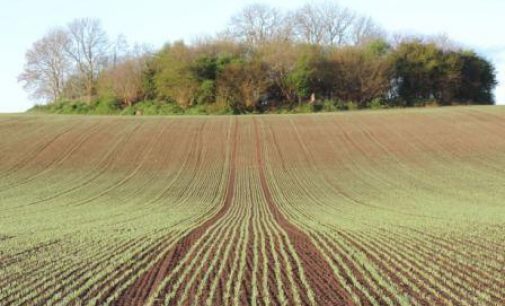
[47,66]
[119,48]
[338,22]
[88,48]
[364,30]
[323,23]
[257,24]
[309,24]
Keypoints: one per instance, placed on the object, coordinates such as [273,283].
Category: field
[393,207]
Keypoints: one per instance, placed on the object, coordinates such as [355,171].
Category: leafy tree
[175,79]
[148,79]
[478,79]
[426,72]
[417,69]
[300,80]
[206,70]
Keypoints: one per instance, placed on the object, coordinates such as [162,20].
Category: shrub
[206,92]
[330,106]
[196,110]
[341,105]
[128,111]
[218,108]
[169,109]
[317,107]
[106,107]
[153,108]
[350,105]
[375,104]
[302,108]
[63,107]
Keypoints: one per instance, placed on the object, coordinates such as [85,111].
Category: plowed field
[367,208]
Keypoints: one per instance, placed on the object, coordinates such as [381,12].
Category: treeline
[318,57]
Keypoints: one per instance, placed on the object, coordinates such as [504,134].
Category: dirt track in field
[373,208]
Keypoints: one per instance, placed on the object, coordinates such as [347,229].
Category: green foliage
[424,72]
[148,80]
[302,108]
[175,79]
[196,110]
[416,71]
[64,107]
[378,47]
[106,107]
[334,105]
[218,109]
[205,68]
[206,92]
[300,78]
[153,108]
[351,106]
[99,107]
[376,103]
[478,79]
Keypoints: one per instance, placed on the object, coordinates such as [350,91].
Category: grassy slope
[406,204]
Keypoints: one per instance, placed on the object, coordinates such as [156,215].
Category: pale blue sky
[476,24]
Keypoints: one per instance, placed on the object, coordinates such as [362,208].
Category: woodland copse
[320,57]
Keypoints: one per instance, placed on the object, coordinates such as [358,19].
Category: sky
[473,24]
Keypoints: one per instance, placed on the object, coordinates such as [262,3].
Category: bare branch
[364,30]
[257,24]
[323,24]
[88,48]
[47,66]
